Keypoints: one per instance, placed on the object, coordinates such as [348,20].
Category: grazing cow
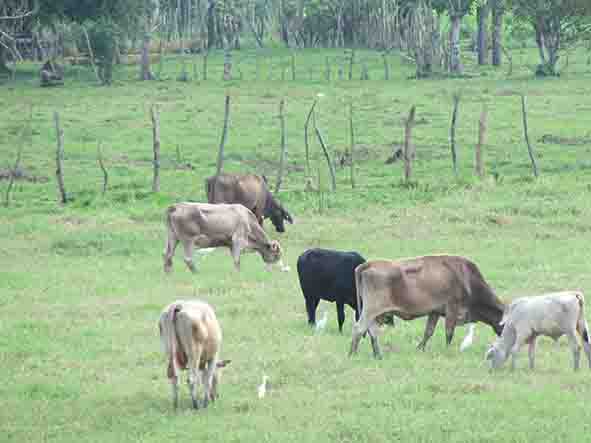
[248,190]
[436,285]
[329,275]
[191,338]
[553,315]
[211,226]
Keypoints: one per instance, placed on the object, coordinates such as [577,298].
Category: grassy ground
[81,286]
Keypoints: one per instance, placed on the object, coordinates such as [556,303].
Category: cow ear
[223,363]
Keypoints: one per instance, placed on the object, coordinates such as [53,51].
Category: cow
[203,225]
[191,338]
[554,315]
[329,275]
[251,191]
[432,285]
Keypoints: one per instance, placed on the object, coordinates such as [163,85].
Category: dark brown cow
[250,191]
[436,285]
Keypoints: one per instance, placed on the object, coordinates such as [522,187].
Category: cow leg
[311,305]
[235,251]
[587,349]
[340,315]
[192,383]
[429,329]
[171,244]
[188,246]
[451,318]
[359,330]
[576,349]
[531,351]
[208,381]
[514,350]
[375,345]
[174,384]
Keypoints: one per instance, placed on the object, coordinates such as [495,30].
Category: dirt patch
[558,140]
[390,348]
[22,175]
[499,220]
[510,92]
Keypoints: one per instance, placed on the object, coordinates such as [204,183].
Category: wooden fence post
[408,146]
[308,170]
[283,147]
[452,131]
[59,158]
[481,141]
[220,162]
[102,166]
[530,151]
[327,157]
[352,153]
[156,148]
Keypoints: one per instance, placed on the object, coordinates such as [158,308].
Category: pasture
[82,285]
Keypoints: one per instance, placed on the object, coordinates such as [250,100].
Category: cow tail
[173,343]
[169,226]
[359,286]
[582,322]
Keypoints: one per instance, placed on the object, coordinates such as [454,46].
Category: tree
[483,11]
[15,15]
[558,24]
[498,14]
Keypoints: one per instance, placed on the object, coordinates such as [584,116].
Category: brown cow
[436,285]
[191,338]
[248,190]
[203,225]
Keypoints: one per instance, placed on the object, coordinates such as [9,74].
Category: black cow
[329,275]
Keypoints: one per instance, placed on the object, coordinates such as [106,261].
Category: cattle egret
[321,324]
[262,389]
[468,339]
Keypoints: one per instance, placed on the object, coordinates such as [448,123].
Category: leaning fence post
[530,151]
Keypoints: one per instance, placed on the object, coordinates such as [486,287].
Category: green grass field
[82,286]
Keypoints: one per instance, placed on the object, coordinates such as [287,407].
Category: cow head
[278,215]
[271,252]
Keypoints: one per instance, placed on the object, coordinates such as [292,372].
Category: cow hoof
[285,268]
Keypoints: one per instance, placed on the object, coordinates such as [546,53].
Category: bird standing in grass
[262,389]
[468,339]
[321,324]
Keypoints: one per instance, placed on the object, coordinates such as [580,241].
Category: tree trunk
[4,69]
[497,34]
[146,73]
[483,13]
[211,37]
[455,65]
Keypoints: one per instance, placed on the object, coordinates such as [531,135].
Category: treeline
[429,31]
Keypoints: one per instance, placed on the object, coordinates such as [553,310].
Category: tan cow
[436,285]
[191,338]
[251,191]
[203,225]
